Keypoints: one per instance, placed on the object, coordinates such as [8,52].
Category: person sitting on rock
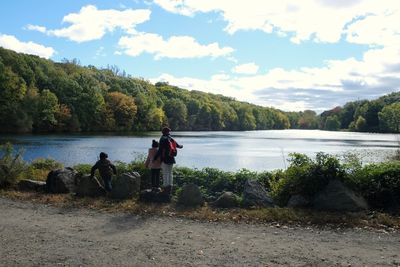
[154,165]
[106,169]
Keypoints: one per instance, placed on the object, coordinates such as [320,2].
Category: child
[154,165]
[106,169]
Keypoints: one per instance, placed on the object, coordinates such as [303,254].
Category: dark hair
[154,143]
[103,155]
[165,130]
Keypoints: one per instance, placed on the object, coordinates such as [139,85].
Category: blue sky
[292,55]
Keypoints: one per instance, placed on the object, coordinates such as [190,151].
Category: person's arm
[94,168]
[113,168]
[147,162]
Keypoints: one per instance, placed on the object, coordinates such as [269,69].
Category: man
[167,153]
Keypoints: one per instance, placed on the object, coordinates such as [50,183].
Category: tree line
[39,95]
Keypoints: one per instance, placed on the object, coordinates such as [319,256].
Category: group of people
[161,156]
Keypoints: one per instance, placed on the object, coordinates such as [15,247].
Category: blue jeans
[107,183]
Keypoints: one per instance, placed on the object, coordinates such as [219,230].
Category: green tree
[176,113]
[123,108]
[47,109]
[389,118]
[332,123]
[360,124]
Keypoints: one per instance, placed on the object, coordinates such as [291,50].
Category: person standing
[167,152]
[106,169]
[154,165]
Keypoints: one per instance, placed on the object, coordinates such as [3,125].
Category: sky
[287,54]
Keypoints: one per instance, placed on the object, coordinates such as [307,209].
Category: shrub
[12,166]
[379,183]
[305,176]
[39,168]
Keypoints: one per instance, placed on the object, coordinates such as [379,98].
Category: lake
[254,150]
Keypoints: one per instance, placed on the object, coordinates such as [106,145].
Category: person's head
[154,143]
[103,155]
[166,130]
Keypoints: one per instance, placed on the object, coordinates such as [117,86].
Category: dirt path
[40,235]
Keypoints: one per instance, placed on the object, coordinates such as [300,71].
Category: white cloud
[92,24]
[10,42]
[317,20]
[36,28]
[308,88]
[248,68]
[173,47]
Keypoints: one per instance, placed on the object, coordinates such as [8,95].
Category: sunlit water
[254,150]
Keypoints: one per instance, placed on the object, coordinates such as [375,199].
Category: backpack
[172,147]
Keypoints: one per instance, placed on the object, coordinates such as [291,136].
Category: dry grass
[276,216]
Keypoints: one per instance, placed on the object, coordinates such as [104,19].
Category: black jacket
[163,150]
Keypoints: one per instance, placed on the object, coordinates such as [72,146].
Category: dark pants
[107,183]
[155,177]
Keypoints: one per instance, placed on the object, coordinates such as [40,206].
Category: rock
[87,186]
[31,185]
[298,201]
[61,181]
[190,196]
[336,197]
[155,196]
[227,200]
[127,185]
[254,194]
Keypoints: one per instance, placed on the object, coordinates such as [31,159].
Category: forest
[39,95]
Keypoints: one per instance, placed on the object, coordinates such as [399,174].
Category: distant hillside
[39,95]
[43,96]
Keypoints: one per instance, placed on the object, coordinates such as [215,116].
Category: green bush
[379,183]
[12,166]
[305,176]
[39,168]
[45,164]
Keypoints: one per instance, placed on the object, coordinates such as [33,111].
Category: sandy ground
[40,235]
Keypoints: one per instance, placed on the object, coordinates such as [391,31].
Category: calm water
[254,150]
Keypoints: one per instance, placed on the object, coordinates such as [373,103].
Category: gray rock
[298,201]
[227,200]
[336,197]
[154,196]
[127,185]
[61,181]
[31,185]
[190,196]
[254,194]
[87,186]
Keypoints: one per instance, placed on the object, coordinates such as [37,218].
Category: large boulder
[87,186]
[298,201]
[31,185]
[190,196]
[227,200]
[154,196]
[337,197]
[61,181]
[127,185]
[254,194]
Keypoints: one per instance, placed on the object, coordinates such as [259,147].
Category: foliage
[305,176]
[379,183]
[12,166]
[389,118]
[39,95]
[39,168]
